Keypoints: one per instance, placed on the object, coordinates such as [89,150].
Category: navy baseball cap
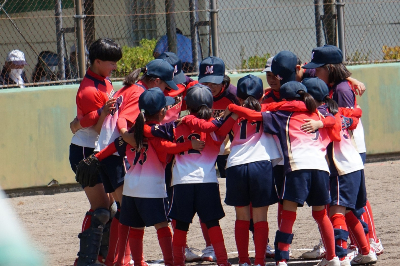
[199,95]
[212,70]
[327,54]
[162,69]
[174,60]
[317,88]
[290,90]
[284,66]
[249,85]
[153,100]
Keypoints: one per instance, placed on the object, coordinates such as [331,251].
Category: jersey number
[243,128]
[138,153]
[192,136]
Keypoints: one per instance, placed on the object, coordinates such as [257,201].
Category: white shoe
[269,253]
[281,263]
[333,262]
[361,259]
[317,253]
[131,262]
[244,264]
[345,262]
[208,254]
[376,247]
[190,256]
[352,252]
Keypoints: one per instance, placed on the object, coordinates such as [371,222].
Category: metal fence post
[60,39]
[340,24]
[194,33]
[81,38]
[171,26]
[214,26]
[318,26]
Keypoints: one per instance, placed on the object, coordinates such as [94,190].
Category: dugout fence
[53,34]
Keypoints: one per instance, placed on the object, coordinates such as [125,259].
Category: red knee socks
[204,229]
[287,220]
[178,247]
[370,221]
[87,220]
[260,241]
[112,254]
[326,231]
[356,228]
[136,245]
[123,257]
[165,240]
[339,222]
[217,241]
[242,240]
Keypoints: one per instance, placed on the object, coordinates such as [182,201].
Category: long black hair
[332,105]
[311,105]
[252,103]
[138,133]
[203,112]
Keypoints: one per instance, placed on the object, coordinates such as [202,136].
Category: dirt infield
[54,221]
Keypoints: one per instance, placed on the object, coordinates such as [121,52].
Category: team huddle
[142,163]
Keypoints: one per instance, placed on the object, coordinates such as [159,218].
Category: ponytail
[138,133]
[332,105]
[308,100]
[252,103]
[204,112]
[133,77]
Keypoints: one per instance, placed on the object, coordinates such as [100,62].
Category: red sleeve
[90,119]
[130,110]
[107,151]
[334,132]
[198,124]
[226,127]
[121,123]
[245,112]
[89,100]
[162,145]
[329,121]
[147,131]
[348,112]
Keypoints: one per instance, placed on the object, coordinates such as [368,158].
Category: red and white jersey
[94,91]
[126,108]
[343,94]
[251,144]
[301,150]
[172,113]
[195,166]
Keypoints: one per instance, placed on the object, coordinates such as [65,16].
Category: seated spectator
[13,70]
[184,50]
[46,68]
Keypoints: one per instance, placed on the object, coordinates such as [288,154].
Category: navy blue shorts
[203,198]
[307,185]
[349,190]
[114,173]
[363,157]
[279,177]
[77,154]
[250,183]
[141,212]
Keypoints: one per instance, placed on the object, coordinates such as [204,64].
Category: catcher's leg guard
[340,234]
[90,239]
[105,239]
[282,238]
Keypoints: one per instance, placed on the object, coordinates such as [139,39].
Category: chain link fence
[248,32]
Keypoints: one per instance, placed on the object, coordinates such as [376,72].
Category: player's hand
[75,125]
[226,113]
[198,144]
[108,107]
[359,88]
[311,125]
